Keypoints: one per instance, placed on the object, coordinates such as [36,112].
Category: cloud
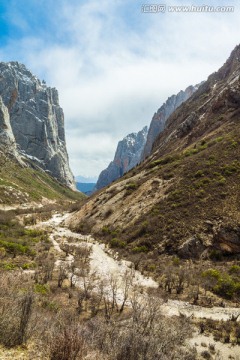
[114,66]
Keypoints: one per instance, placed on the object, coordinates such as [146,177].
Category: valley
[85,275]
[147,266]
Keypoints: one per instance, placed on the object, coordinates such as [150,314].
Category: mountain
[36,120]
[126,157]
[184,198]
[7,140]
[86,188]
[85,179]
[160,117]
[24,175]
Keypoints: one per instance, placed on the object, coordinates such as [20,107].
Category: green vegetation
[22,184]
[116,243]
[223,284]
[18,246]
[41,289]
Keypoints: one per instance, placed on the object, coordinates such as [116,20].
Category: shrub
[66,343]
[199,174]
[41,289]
[116,243]
[106,230]
[235,270]
[131,186]
[205,354]
[14,322]
[9,266]
[215,255]
[28,266]
[211,273]
[139,249]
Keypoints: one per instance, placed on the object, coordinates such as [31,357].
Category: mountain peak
[127,156]
[160,117]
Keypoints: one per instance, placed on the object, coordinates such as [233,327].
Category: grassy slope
[20,184]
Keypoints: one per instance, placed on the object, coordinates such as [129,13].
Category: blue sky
[113,65]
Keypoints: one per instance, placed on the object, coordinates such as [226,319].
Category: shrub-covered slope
[184,199]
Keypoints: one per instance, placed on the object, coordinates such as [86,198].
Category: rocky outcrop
[36,119]
[127,156]
[160,117]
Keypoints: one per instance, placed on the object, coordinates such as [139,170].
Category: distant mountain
[36,120]
[85,179]
[127,156]
[160,117]
[85,188]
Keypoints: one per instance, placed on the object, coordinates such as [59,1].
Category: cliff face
[127,156]
[160,117]
[7,141]
[36,120]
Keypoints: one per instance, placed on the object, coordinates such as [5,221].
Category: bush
[66,343]
[131,186]
[41,289]
[116,243]
[235,270]
[205,354]
[215,255]
[139,249]
[14,322]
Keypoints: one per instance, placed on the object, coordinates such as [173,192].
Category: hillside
[24,183]
[184,199]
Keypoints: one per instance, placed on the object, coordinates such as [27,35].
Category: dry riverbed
[105,266]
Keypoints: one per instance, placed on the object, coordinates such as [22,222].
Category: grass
[18,246]
[20,184]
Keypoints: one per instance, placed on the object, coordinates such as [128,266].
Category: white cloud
[114,68]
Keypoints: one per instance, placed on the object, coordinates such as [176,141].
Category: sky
[113,64]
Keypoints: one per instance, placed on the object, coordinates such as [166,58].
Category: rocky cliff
[7,140]
[36,120]
[127,156]
[160,117]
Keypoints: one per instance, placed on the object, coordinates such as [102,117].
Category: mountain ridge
[183,198]
[160,117]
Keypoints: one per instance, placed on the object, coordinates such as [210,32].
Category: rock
[160,117]
[36,119]
[127,156]
[227,239]
[7,140]
[191,248]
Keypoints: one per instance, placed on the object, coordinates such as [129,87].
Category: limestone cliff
[36,120]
